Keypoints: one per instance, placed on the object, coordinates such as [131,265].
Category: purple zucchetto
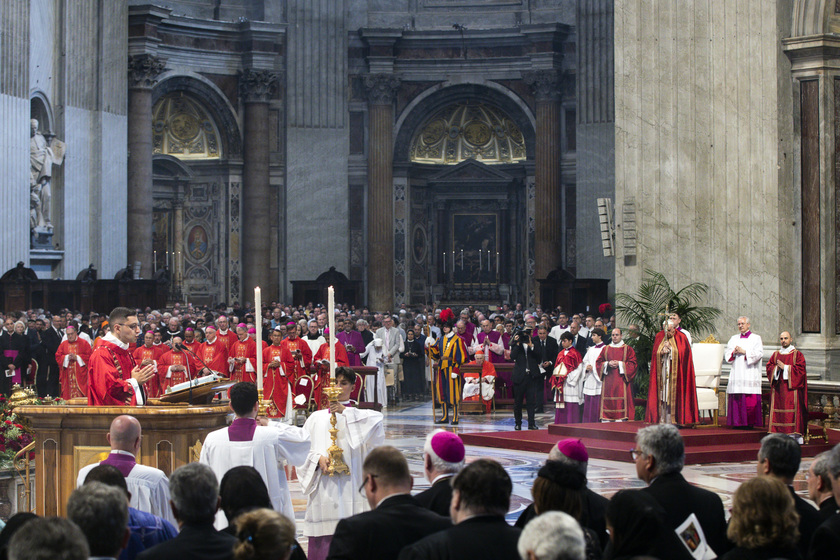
[448,447]
[573,449]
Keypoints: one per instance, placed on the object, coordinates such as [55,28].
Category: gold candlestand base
[266,407]
[336,454]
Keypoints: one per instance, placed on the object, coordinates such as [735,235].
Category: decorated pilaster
[548,242]
[256,88]
[381,90]
[143,72]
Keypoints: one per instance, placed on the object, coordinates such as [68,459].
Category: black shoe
[539,411]
[454,422]
[517,427]
[441,421]
[533,427]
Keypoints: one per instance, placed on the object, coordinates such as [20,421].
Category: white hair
[439,464]
[554,535]
[745,318]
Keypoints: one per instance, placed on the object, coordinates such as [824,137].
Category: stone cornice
[144,69]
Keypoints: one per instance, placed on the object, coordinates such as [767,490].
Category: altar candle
[331,317]
[479,259]
[462,259]
[444,262]
[154,261]
[488,260]
[497,262]
[258,317]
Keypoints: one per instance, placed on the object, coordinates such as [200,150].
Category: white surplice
[592,382]
[332,498]
[270,447]
[746,373]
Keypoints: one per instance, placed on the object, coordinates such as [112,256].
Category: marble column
[547,219]
[256,88]
[143,71]
[381,89]
[178,245]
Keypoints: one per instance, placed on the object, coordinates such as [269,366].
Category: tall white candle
[462,259]
[331,317]
[444,262]
[497,263]
[258,321]
[479,259]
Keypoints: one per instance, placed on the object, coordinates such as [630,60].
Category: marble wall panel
[114,196]
[81,169]
[14,169]
[697,127]
[44,30]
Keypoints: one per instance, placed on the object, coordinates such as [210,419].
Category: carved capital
[144,69]
[258,85]
[544,84]
[382,88]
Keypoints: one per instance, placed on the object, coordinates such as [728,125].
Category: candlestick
[444,262]
[479,259]
[154,262]
[497,262]
[331,317]
[462,260]
[488,260]
[258,317]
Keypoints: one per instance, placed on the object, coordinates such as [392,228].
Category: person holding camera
[526,375]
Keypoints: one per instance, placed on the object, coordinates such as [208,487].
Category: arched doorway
[464,208]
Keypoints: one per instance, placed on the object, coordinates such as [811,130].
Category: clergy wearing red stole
[242,356]
[352,341]
[252,334]
[73,356]
[450,353]
[176,366]
[569,361]
[296,355]
[483,387]
[114,378]
[275,381]
[617,365]
[672,397]
[190,341]
[491,343]
[225,334]
[148,355]
[214,353]
[321,360]
[789,389]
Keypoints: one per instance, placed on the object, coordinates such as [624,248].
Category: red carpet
[614,441]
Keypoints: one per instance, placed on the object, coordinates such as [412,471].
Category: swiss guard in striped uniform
[450,353]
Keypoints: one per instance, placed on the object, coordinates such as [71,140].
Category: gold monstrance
[336,454]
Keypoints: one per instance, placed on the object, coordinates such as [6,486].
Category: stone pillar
[381,90]
[178,242]
[547,219]
[143,71]
[256,88]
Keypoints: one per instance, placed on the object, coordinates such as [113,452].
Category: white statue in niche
[42,156]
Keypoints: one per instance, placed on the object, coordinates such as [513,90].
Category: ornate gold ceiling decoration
[468,131]
[183,129]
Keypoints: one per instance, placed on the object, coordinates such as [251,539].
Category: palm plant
[646,309]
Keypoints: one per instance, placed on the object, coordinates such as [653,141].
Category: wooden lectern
[68,438]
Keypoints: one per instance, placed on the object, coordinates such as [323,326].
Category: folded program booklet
[212,378]
[691,535]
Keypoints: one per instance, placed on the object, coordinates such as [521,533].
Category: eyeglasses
[132,326]
[365,481]
[635,454]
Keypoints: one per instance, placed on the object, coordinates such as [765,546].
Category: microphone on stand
[179,346]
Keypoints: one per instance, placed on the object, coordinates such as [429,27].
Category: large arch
[811,17]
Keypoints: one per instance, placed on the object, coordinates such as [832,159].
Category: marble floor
[406,427]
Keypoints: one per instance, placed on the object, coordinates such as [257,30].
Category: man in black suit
[101,512]
[47,378]
[526,375]
[579,343]
[443,458]
[820,488]
[395,521]
[779,456]
[826,540]
[546,350]
[480,500]
[195,499]
[660,456]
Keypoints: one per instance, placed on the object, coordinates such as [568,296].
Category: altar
[68,438]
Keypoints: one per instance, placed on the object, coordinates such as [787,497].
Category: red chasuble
[145,355]
[247,349]
[275,382]
[215,355]
[295,367]
[228,338]
[168,378]
[616,391]
[571,358]
[110,370]
[74,378]
[788,397]
[323,353]
[681,394]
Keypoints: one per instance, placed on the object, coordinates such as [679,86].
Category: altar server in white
[375,356]
[744,352]
[148,486]
[261,444]
[331,498]
[592,378]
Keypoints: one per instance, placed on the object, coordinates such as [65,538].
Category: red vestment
[215,355]
[616,388]
[74,377]
[571,358]
[677,390]
[194,345]
[788,397]
[228,337]
[487,370]
[145,355]
[168,377]
[247,350]
[275,382]
[323,353]
[295,368]
[109,374]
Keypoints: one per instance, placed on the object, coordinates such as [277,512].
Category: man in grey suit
[392,345]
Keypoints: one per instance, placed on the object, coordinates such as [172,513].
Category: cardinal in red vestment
[176,366]
[275,381]
[242,356]
[322,362]
[618,364]
[672,397]
[73,356]
[214,353]
[296,355]
[149,354]
[789,389]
